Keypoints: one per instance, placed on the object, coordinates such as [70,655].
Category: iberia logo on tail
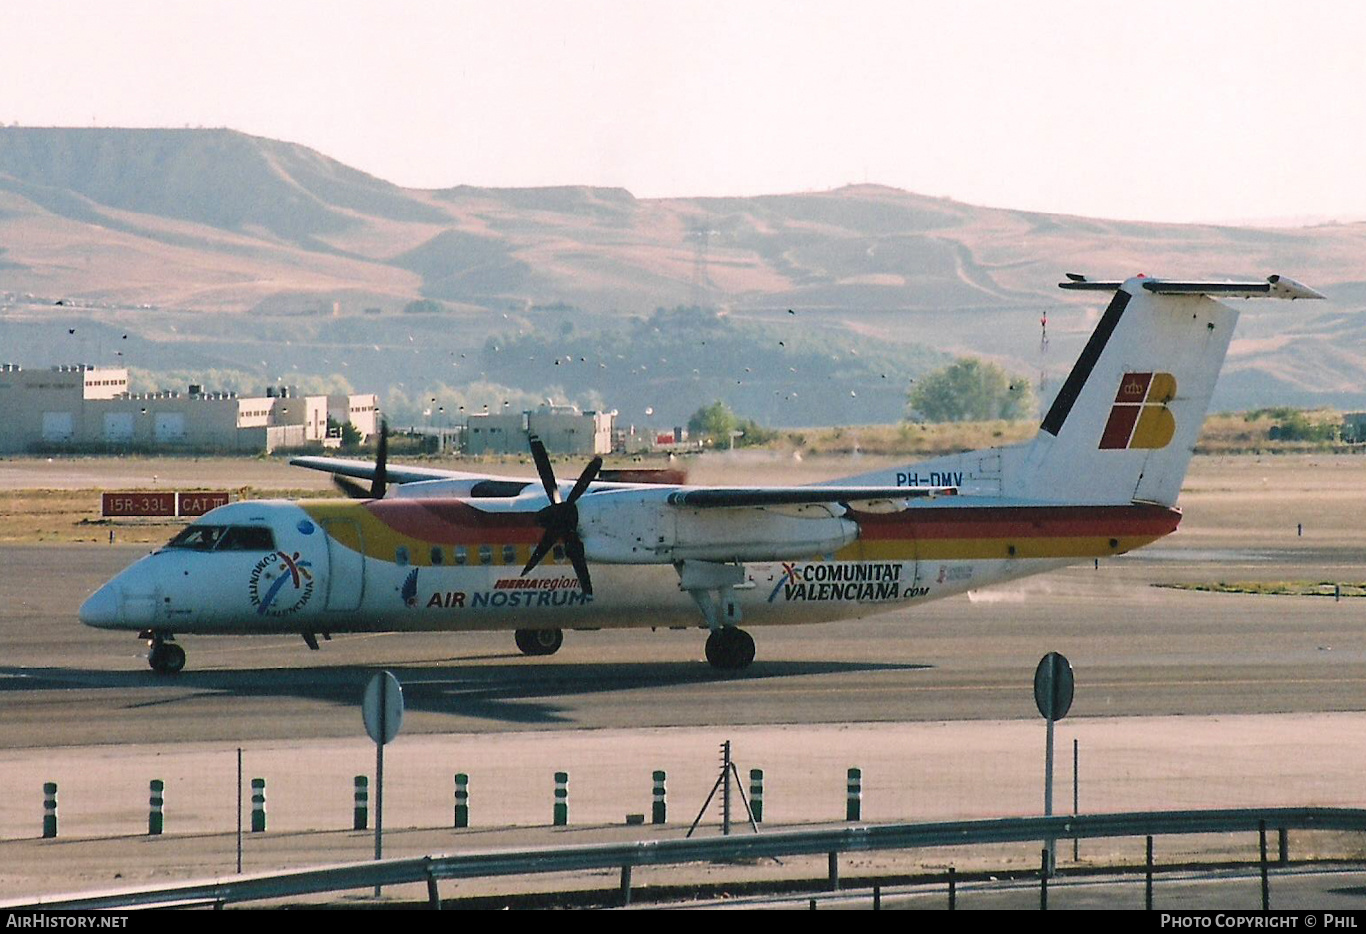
[1140,417]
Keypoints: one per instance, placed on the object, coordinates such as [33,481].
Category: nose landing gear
[165,657]
[730,649]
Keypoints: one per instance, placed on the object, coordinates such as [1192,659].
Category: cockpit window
[224,538]
[198,537]
[246,538]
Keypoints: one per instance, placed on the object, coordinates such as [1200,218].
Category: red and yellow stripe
[928,533]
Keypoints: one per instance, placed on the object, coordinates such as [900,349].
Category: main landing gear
[730,648]
[539,641]
[165,657]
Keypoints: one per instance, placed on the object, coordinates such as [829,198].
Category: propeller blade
[543,468]
[351,488]
[380,483]
[542,549]
[573,547]
[590,473]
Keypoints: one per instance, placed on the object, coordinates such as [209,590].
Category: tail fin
[1123,427]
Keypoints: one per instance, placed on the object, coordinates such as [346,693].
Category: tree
[970,389]
[350,436]
[715,421]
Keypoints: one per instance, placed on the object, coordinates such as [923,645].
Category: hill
[171,236]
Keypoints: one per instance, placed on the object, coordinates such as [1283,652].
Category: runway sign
[118,505]
[144,504]
[196,504]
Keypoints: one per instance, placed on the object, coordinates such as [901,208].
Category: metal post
[49,810]
[258,805]
[433,893]
[1148,877]
[1043,876]
[462,800]
[1076,795]
[877,898]
[361,814]
[1051,843]
[756,794]
[239,810]
[626,884]
[853,808]
[953,889]
[833,863]
[1283,839]
[561,817]
[725,792]
[1266,888]
[379,778]
[659,812]
[155,803]
[382,719]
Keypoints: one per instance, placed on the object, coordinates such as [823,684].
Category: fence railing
[526,861]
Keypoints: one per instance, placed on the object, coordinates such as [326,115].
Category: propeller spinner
[561,519]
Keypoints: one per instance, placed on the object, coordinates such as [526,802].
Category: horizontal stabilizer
[1273,287]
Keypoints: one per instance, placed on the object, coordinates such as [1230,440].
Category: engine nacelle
[629,528]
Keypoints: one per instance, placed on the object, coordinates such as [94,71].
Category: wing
[365,470]
[723,497]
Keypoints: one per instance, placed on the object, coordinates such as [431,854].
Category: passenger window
[509,554]
[462,555]
[485,554]
[438,556]
[401,556]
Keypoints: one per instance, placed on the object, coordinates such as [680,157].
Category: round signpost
[382,710]
[1053,687]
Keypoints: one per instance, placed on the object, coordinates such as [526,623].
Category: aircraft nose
[101,609]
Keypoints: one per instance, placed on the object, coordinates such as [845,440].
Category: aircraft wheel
[166,658]
[539,641]
[730,649]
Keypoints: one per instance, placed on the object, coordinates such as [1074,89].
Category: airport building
[562,428]
[89,408]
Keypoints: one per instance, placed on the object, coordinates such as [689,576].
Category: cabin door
[345,564]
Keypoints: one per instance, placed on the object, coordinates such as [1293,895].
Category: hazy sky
[1164,111]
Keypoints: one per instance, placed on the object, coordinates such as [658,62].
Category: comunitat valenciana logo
[1140,417]
[280,584]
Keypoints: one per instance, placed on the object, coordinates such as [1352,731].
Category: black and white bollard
[756,794]
[49,810]
[659,810]
[462,800]
[155,803]
[854,808]
[258,805]
[360,819]
[561,799]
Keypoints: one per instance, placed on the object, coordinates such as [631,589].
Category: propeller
[561,519]
[379,483]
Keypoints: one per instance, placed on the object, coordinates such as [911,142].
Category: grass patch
[73,516]
[1276,588]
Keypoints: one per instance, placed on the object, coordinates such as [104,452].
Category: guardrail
[500,862]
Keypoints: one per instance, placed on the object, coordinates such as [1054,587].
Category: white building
[90,408]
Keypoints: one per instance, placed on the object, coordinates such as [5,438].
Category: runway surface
[1136,649]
